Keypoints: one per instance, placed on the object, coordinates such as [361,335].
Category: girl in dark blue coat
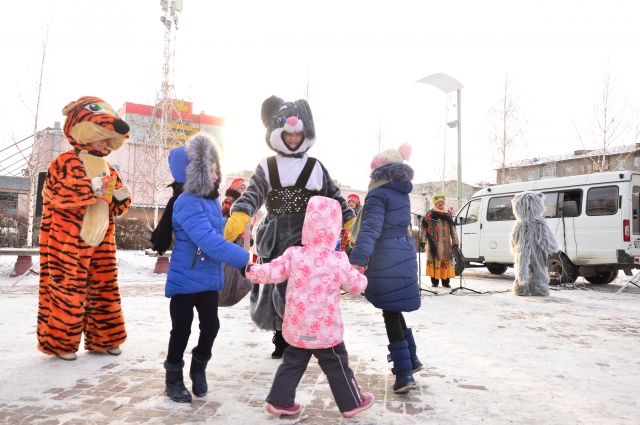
[383,244]
[195,276]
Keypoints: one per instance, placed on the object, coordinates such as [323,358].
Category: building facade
[141,162]
[448,187]
[620,158]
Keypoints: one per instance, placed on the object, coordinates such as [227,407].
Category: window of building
[548,170]
[595,167]
[622,164]
[602,200]
[500,209]
[531,175]
[568,171]
[636,163]
[8,202]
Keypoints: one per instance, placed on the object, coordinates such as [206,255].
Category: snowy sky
[361,58]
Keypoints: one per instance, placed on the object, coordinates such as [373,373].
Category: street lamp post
[448,84]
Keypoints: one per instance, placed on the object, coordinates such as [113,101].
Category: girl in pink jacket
[312,323]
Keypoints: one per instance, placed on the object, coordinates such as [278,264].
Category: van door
[497,230]
[634,216]
[469,229]
[599,235]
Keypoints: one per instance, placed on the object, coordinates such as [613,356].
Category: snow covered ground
[496,359]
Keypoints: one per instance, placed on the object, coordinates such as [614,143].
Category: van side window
[474,211]
[550,204]
[462,213]
[500,209]
[602,200]
[573,196]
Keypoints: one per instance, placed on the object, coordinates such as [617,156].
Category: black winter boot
[445,283]
[175,388]
[416,365]
[399,355]
[197,373]
[280,343]
[434,282]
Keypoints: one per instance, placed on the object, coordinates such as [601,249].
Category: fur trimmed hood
[392,171]
[191,165]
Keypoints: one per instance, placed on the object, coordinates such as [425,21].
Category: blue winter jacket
[384,242]
[200,250]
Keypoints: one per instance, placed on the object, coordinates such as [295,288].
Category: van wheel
[458,260]
[602,277]
[497,268]
[560,264]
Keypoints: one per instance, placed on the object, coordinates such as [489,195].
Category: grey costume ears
[277,116]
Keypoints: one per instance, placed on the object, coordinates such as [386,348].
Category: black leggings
[395,324]
[435,281]
[181,308]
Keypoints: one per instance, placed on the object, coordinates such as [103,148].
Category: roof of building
[615,150]
[14,183]
[184,109]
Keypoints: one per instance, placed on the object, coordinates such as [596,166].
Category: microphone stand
[420,260]
[462,220]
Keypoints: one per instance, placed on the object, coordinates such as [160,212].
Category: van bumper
[624,258]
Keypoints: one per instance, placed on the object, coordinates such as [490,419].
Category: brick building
[619,158]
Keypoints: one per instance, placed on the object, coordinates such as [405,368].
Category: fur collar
[201,152]
[392,171]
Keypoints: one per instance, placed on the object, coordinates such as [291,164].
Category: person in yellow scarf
[439,232]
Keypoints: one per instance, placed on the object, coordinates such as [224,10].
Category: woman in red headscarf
[353,201]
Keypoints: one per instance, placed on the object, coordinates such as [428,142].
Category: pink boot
[367,402]
[280,410]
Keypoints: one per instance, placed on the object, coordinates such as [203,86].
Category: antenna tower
[169,125]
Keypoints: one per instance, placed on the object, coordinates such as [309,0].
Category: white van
[594,218]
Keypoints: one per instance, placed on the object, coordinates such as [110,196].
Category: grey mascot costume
[286,182]
[532,242]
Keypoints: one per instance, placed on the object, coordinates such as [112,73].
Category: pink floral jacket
[316,273]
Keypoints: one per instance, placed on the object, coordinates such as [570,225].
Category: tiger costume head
[90,119]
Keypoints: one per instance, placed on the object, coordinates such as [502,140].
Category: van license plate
[636,243]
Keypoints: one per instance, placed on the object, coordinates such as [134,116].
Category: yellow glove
[349,223]
[235,225]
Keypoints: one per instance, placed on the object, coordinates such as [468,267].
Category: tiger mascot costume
[78,274]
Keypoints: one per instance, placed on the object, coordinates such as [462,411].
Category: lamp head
[453,124]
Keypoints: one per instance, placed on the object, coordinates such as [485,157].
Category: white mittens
[96,184]
[122,193]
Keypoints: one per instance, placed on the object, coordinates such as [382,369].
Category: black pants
[181,308]
[333,361]
[395,324]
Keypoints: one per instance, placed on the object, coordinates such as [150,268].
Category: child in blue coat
[383,244]
[195,276]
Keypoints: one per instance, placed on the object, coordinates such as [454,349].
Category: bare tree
[379,137]
[307,88]
[33,160]
[614,123]
[508,123]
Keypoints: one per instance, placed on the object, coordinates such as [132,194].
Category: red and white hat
[237,183]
